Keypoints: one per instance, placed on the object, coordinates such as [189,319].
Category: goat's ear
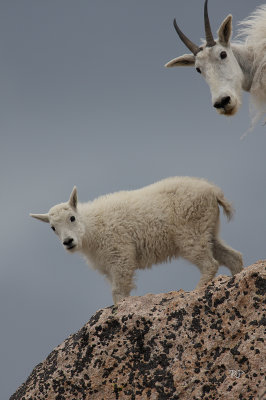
[41,217]
[225,30]
[186,60]
[73,199]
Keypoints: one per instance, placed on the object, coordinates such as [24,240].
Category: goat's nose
[68,241]
[223,102]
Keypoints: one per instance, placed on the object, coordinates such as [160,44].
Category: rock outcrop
[205,344]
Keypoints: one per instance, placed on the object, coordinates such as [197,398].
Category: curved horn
[210,42]
[190,45]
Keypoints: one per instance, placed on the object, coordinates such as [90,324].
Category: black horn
[190,45]
[210,42]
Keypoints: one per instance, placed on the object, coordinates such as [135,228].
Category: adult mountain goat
[228,67]
[129,230]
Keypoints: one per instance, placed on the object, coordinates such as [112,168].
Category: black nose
[223,102]
[68,241]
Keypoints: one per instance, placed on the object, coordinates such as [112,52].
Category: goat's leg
[121,278]
[203,258]
[208,268]
[227,256]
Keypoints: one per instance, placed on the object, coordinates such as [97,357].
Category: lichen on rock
[205,344]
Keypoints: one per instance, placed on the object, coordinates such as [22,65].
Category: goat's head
[217,63]
[65,222]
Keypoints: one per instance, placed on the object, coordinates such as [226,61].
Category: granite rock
[205,344]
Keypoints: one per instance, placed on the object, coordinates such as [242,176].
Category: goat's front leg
[121,278]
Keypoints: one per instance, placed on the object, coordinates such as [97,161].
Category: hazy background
[85,100]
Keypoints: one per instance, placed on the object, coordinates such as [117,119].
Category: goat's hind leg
[227,256]
[208,269]
[206,263]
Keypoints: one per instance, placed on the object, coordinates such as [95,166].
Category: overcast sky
[85,100]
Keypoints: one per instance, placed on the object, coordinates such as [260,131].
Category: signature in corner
[236,373]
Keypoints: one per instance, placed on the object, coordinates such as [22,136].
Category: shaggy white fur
[230,68]
[124,231]
[253,51]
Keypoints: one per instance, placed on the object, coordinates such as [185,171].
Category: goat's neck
[89,219]
[245,59]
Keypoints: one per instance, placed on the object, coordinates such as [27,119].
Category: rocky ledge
[205,344]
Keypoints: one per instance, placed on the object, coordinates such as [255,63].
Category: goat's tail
[227,207]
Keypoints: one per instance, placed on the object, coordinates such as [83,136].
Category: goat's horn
[190,45]
[210,42]
[41,217]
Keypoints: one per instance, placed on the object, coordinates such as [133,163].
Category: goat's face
[218,65]
[65,221]
[224,76]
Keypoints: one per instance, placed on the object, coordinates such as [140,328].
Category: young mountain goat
[128,230]
[231,68]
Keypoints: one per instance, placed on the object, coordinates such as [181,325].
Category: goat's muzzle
[224,101]
[68,243]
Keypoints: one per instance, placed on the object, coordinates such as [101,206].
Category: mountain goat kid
[128,230]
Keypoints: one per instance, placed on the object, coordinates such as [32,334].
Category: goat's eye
[223,54]
[198,70]
[53,228]
[72,219]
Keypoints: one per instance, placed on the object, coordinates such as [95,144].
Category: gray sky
[85,100]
